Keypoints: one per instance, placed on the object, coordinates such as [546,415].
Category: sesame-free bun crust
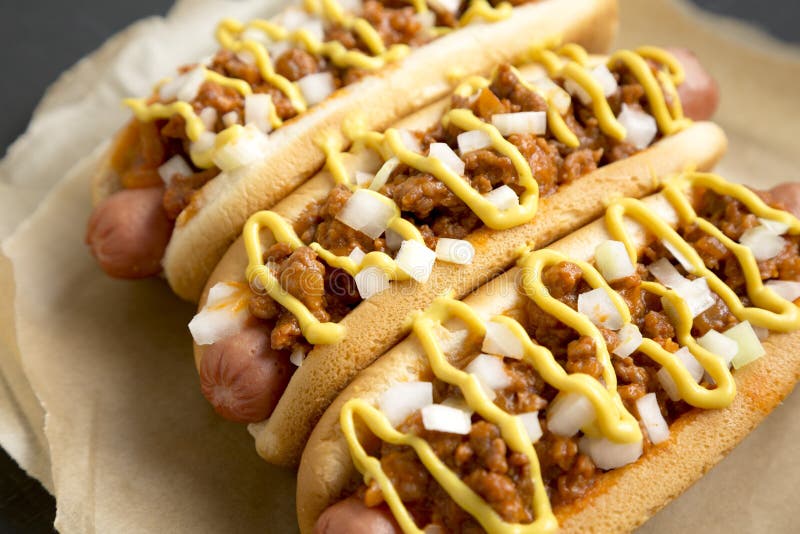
[380,322]
[622,499]
[205,230]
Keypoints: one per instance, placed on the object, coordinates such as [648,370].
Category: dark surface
[39,39]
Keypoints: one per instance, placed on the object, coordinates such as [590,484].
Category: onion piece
[501,341]
[357,255]
[403,399]
[364,178]
[316,87]
[609,455]
[568,413]
[599,308]
[698,296]
[750,347]
[315,28]
[555,94]
[640,127]
[457,251]
[297,357]
[257,108]
[719,345]
[230,118]
[472,140]
[205,142]
[409,140]
[630,339]
[383,173]
[530,420]
[490,371]
[650,415]
[445,154]
[366,212]
[427,19]
[692,366]
[173,166]
[185,87]
[443,418]
[683,260]
[503,197]
[667,274]
[247,57]
[416,260]
[451,6]
[243,150]
[255,34]
[217,321]
[371,281]
[523,122]
[603,76]
[613,261]
[785,289]
[762,242]
[209,117]
[775,227]
[458,403]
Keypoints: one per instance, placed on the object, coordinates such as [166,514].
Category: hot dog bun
[203,232]
[623,498]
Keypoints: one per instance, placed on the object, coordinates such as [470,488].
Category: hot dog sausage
[243,377]
[699,92]
[128,233]
[352,516]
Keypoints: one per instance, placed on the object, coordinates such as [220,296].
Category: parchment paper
[98,394]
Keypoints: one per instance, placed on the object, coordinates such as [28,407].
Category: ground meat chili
[496,472]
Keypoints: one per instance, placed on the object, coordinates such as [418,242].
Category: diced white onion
[205,142]
[472,140]
[503,197]
[427,19]
[363,178]
[650,414]
[568,413]
[530,420]
[667,274]
[750,348]
[278,48]
[606,80]
[762,242]
[215,321]
[293,18]
[366,212]
[393,239]
[416,260]
[630,339]
[785,289]
[697,295]
[556,95]
[443,418]
[776,227]
[609,455]
[640,127]
[490,371]
[383,173]
[577,90]
[692,366]
[451,6]
[209,117]
[720,345]
[316,87]
[458,403]
[613,261]
[683,260]
[445,154]
[357,255]
[243,150]
[174,165]
[255,34]
[409,140]
[457,251]
[351,6]
[501,341]
[245,56]
[315,28]
[523,122]
[257,108]
[599,308]
[297,357]
[371,281]
[403,399]
[184,87]
[230,118]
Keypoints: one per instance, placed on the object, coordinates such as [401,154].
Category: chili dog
[583,389]
[300,272]
[240,131]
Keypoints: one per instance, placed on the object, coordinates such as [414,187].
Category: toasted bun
[204,232]
[623,498]
[380,322]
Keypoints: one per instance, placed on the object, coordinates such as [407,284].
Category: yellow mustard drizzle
[229,33]
[572,63]
[511,429]
[612,419]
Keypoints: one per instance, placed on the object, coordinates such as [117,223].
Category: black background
[39,39]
